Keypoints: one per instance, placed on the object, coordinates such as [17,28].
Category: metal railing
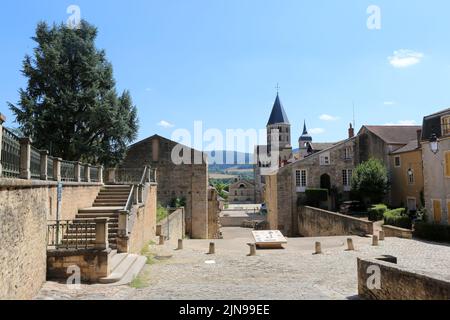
[67,171]
[50,168]
[10,154]
[95,174]
[128,175]
[83,173]
[68,234]
[35,163]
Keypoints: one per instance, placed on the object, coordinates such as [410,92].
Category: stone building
[214,207]
[330,168]
[241,192]
[436,166]
[406,177]
[188,180]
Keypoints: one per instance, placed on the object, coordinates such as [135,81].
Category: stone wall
[313,222]
[143,228]
[25,206]
[172,227]
[189,181]
[213,214]
[391,231]
[401,283]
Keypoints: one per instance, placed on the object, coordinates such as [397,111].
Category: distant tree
[70,105]
[370,181]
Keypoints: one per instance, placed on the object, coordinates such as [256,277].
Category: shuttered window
[437,211]
[447,164]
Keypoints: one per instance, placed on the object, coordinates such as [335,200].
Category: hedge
[376,212]
[398,218]
[432,232]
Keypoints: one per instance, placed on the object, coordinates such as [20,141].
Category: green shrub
[161,213]
[315,196]
[398,218]
[432,232]
[376,212]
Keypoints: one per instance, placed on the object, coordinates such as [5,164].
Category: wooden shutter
[437,211]
[448,211]
[447,164]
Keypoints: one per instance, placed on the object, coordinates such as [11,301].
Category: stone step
[113,222]
[116,260]
[115,192]
[126,270]
[111,203]
[96,215]
[101,210]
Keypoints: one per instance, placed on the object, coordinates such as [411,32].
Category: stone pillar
[122,232]
[161,240]
[136,194]
[375,241]
[87,172]
[57,169]
[252,249]
[78,172]
[318,248]
[212,248]
[101,233]
[2,119]
[25,158]
[350,246]
[381,236]
[180,244]
[44,168]
[110,175]
[100,174]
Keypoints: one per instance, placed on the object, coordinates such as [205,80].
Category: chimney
[351,132]
[419,137]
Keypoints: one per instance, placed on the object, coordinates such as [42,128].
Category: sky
[219,61]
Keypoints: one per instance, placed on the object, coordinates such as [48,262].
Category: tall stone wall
[400,283]
[313,222]
[189,181]
[25,207]
[172,227]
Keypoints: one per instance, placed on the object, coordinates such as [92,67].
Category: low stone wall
[172,227]
[313,222]
[25,206]
[143,229]
[400,283]
[92,264]
[391,231]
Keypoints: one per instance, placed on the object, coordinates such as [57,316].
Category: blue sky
[219,61]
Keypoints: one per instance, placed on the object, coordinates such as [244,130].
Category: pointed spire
[305,131]
[305,137]
[278,114]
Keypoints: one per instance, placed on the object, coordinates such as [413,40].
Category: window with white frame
[325,159]
[348,153]
[347,177]
[300,178]
[410,174]
[446,125]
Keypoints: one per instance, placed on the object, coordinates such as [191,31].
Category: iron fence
[67,171]
[10,154]
[68,234]
[95,174]
[50,168]
[35,163]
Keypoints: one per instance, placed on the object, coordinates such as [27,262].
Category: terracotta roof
[394,134]
[411,146]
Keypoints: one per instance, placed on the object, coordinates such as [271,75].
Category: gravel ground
[292,273]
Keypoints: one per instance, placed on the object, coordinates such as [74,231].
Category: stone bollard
[161,240]
[318,248]
[350,246]
[375,241]
[252,249]
[212,248]
[180,244]
[381,236]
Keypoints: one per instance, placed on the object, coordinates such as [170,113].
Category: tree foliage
[370,181]
[70,105]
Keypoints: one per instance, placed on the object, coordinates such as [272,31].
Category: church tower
[279,121]
[304,142]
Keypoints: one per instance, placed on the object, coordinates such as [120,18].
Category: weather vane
[277,87]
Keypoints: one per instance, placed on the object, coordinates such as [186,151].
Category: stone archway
[325,181]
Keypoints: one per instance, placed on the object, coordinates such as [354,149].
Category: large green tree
[370,181]
[70,106]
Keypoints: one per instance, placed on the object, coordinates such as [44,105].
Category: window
[410,175]
[412,204]
[300,178]
[437,211]
[446,125]
[325,159]
[348,153]
[347,177]
[447,164]
[397,162]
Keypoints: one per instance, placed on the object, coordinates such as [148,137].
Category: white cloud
[403,123]
[389,103]
[327,117]
[405,58]
[148,89]
[317,131]
[165,124]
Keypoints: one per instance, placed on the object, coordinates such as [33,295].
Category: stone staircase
[124,268]
[109,202]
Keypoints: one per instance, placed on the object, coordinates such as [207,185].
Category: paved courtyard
[292,273]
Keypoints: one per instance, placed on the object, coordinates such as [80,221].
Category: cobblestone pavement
[293,273]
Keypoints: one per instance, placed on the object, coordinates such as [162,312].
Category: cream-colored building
[241,192]
[436,166]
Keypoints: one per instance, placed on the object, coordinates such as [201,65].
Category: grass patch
[138,283]
[161,213]
[146,252]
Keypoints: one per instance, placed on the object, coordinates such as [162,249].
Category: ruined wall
[25,207]
[189,181]
[172,227]
[313,222]
[213,214]
[401,283]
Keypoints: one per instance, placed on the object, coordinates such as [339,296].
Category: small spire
[305,131]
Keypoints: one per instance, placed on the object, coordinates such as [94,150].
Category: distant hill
[231,160]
